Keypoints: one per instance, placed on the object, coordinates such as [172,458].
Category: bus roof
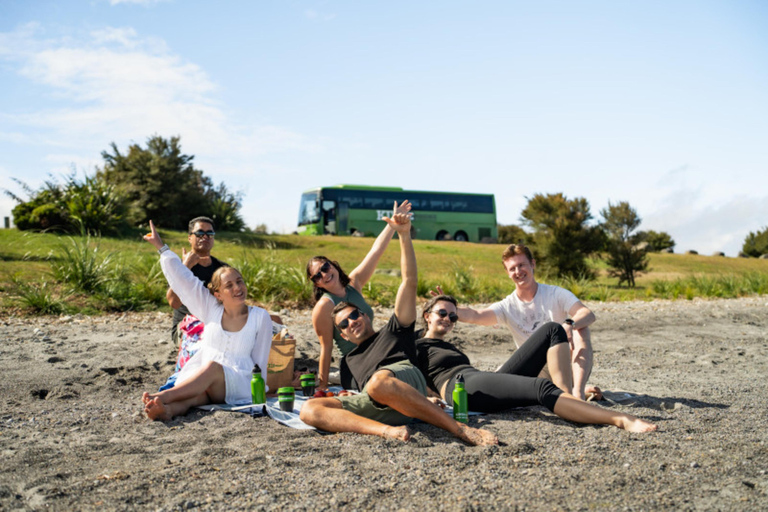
[391,189]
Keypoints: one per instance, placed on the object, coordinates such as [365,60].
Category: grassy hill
[52,273]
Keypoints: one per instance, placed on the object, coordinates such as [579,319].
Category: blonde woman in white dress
[236,337]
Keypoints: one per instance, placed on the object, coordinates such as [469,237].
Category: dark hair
[341,306]
[515,249]
[318,292]
[200,219]
[434,300]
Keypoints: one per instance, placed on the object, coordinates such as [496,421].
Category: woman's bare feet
[632,424]
[146,397]
[156,410]
[476,436]
[402,433]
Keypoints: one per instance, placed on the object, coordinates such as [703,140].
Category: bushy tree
[756,244]
[161,183]
[561,234]
[513,234]
[89,206]
[657,241]
[626,256]
[225,208]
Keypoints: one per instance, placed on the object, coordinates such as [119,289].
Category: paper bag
[280,366]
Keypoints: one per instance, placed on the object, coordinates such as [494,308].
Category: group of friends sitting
[403,372]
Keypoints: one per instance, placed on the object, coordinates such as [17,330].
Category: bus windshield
[309,211]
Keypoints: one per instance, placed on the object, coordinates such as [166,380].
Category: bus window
[309,213]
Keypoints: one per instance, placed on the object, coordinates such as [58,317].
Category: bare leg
[581,361]
[570,408]
[559,365]
[329,415]
[405,399]
[207,385]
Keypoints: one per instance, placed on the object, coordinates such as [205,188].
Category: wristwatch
[163,249]
[569,321]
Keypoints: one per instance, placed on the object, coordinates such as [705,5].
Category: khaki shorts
[363,405]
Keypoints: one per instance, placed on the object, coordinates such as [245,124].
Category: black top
[392,344]
[439,361]
[204,274]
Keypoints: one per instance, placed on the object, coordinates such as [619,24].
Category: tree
[626,256]
[159,182]
[561,235]
[512,234]
[225,207]
[756,244]
[657,241]
[89,206]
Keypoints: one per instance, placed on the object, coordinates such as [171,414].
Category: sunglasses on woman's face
[352,316]
[323,270]
[200,233]
[453,317]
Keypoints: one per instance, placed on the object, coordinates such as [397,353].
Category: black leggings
[515,383]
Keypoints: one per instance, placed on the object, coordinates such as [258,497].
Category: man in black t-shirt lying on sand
[393,389]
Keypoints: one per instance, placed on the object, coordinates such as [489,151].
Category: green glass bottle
[258,394]
[460,401]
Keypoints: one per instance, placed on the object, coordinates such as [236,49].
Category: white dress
[236,352]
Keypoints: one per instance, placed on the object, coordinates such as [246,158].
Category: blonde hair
[215,284]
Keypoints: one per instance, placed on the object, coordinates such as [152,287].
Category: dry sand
[71,436]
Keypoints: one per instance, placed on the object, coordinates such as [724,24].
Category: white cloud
[114,82]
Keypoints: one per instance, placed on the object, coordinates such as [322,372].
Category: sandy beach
[72,436]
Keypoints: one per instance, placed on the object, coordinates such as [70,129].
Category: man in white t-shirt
[533,304]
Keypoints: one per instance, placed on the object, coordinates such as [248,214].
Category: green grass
[49,273]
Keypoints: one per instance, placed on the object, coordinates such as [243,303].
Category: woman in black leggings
[515,383]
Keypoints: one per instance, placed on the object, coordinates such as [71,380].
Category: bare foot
[476,436]
[156,410]
[594,393]
[632,424]
[146,397]
[402,433]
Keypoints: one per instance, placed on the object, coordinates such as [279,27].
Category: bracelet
[569,321]
[163,249]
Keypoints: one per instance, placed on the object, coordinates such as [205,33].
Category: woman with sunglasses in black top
[513,384]
[332,286]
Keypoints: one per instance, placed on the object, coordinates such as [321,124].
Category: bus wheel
[442,235]
[461,236]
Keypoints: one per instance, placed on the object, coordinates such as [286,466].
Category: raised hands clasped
[401,217]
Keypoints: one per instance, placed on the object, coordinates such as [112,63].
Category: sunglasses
[323,270]
[200,233]
[453,317]
[352,316]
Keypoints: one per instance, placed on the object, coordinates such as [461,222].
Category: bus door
[342,218]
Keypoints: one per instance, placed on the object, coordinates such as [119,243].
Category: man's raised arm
[405,303]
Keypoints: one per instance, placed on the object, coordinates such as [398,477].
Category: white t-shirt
[551,304]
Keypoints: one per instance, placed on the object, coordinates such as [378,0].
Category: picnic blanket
[289,419]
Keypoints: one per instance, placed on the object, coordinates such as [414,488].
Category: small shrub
[81,264]
[39,297]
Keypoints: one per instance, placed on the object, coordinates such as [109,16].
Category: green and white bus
[357,210]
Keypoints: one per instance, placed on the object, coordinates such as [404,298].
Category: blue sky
[660,103]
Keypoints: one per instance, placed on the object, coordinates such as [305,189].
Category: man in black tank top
[393,389]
